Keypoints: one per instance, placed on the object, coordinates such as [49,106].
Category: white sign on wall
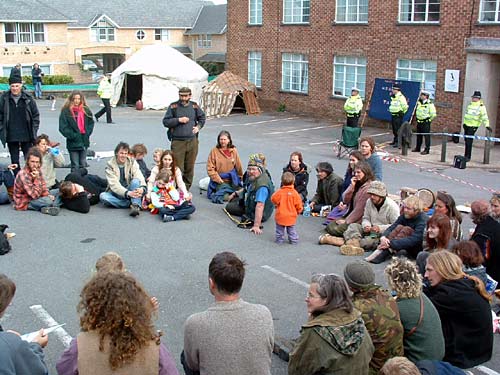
[452,80]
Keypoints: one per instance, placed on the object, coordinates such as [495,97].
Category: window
[352,11]
[255,68]
[349,72]
[204,41]
[25,70]
[102,31]
[295,11]
[489,11]
[24,33]
[294,72]
[419,10]
[140,34]
[423,71]
[255,12]
[162,34]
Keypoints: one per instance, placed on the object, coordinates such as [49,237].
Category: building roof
[213,57]
[211,20]
[183,49]
[30,10]
[124,13]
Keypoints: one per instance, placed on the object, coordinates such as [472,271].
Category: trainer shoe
[50,210]
[134,210]
[167,218]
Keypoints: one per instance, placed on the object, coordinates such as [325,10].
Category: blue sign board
[381,97]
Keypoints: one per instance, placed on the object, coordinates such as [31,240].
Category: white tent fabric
[164,70]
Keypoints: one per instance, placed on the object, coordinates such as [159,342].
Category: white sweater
[384,217]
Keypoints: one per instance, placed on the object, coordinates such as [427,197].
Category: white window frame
[344,63]
[162,34]
[412,12]
[297,15]
[349,4]
[496,12]
[26,31]
[109,34]
[429,68]
[205,41]
[255,14]
[140,35]
[292,63]
[255,68]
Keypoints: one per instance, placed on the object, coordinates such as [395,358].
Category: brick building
[307,54]
[60,35]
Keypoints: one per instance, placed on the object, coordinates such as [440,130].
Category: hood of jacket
[342,330]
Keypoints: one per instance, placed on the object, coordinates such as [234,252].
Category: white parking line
[300,130]
[321,143]
[261,122]
[286,276]
[45,317]
[486,370]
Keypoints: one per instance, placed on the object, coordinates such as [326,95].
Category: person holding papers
[18,356]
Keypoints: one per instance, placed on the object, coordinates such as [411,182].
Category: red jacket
[288,205]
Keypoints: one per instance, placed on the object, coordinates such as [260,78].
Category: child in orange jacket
[288,205]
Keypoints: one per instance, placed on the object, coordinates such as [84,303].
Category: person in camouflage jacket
[379,311]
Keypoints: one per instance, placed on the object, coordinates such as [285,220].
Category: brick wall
[382,41]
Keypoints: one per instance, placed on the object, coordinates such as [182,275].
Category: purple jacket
[68,363]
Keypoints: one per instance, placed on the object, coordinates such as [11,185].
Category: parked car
[89,65]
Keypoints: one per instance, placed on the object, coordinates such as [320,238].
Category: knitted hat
[396,87]
[257,160]
[477,94]
[15,79]
[359,274]
[184,91]
[377,188]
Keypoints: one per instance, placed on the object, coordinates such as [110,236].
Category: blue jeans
[179,212]
[110,199]
[38,90]
[78,159]
[38,204]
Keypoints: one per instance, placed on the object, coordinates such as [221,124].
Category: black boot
[425,152]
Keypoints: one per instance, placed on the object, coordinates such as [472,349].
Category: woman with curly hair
[117,331]
[463,306]
[423,338]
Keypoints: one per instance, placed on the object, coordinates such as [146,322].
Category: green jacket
[75,141]
[381,315]
[251,193]
[328,190]
[335,342]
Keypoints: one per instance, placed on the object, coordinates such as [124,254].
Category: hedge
[59,79]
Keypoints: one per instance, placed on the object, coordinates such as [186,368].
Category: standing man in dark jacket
[19,120]
[184,119]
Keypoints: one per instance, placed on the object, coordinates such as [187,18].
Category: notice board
[381,97]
